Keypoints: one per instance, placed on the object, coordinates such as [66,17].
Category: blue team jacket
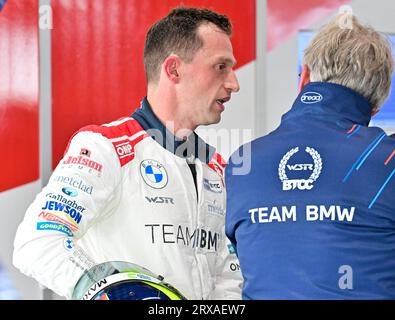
[311,206]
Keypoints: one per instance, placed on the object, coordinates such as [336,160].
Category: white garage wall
[13,203]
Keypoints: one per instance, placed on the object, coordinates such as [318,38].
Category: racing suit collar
[324,99]
[191,148]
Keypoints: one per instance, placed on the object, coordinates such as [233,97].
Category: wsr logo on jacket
[303,172]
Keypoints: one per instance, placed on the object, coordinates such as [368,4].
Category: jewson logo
[61,207]
[311,97]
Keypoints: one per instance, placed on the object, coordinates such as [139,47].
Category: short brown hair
[356,56]
[176,33]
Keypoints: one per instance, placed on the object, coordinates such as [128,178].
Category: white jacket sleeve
[81,190]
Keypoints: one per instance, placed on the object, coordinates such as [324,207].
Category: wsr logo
[311,97]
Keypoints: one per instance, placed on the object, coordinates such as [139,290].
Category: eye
[221,66]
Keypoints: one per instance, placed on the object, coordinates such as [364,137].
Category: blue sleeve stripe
[381,189]
[370,151]
[367,151]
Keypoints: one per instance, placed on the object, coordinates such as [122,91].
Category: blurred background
[68,63]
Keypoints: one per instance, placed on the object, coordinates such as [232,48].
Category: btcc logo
[300,184]
[297,184]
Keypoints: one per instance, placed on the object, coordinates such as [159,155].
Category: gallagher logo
[311,97]
[70,192]
[299,168]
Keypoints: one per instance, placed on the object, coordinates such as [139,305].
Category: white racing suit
[125,192]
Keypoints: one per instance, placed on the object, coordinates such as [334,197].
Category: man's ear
[171,68]
[304,77]
[375,110]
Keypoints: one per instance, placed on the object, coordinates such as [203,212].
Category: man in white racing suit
[146,189]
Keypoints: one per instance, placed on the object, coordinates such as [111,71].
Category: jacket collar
[325,99]
[192,147]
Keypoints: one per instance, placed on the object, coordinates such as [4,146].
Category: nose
[232,84]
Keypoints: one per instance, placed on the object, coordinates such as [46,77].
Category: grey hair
[352,55]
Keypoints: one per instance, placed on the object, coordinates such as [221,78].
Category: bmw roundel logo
[68,244]
[70,191]
[311,97]
[153,173]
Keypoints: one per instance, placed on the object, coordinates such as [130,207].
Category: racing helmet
[119,280]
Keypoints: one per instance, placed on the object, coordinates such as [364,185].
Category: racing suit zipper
[199,256]
[192,167]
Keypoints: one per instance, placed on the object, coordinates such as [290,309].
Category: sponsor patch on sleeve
[55,227]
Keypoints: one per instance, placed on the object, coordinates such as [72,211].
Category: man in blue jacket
[314,218]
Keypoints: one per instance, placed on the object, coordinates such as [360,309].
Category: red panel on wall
[285,18]
[97,56]
[19,140]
